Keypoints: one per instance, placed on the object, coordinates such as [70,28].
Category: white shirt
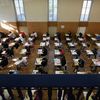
[35,34]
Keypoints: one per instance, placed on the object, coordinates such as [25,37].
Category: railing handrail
[65,80]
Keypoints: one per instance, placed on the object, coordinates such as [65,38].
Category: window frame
[83,16]
[52,13]
[19,16]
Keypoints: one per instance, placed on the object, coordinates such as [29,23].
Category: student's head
[20,58]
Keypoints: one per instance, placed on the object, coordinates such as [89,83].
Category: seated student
[61,51]
[13,72]
[63,60]
[1,49]
[44,51]
[10,52]
[16,45]
[24,61]
[81,63]
[35,34]
[4,61]
[80,35]
[78,52]
[44,62]
[95,52]
[28,51]
[41,71]
[59,35]
[2,35]
[5,45]
[47,34]
[70,34]
[11,35]
[22,34]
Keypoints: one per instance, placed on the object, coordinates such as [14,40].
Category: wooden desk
[68,39]
[18,62]
[38,61]
[44,38]
[89,53]
[72,45]
[96,62]
[40,51]
[35,71]
[81,72]
[27,44]
[89,35]
[42,44]
[56,39]
[15,59]
[3,53]
[12,44]
[58,44]
[84,44]
[23,51]
[93,39]
[81,39]
[44,35]
[57,62]
[74,53]
[17,39]
[98,44]
[67,35]
[4,39]
[59,72]
[57,52]
[76,62]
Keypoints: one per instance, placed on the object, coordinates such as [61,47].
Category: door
[52,30]
[82,30]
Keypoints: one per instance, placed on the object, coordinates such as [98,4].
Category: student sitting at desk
[80,35]
[81,63]
[47,34]
[63,60]
[4,61]
[95,52]
[78,52]
[16,45]
[61,51]
[10,51]
[44,62]
[70,34]
[44,51]
[5,45]
[1,49]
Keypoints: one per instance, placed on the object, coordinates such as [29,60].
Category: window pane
[52,10]
[19,10]
[85,10]
[89,3]
[84,3]
[16,2]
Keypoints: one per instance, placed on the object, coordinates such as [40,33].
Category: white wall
[69,10]
[7,11]
[95,11]
[36,10]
